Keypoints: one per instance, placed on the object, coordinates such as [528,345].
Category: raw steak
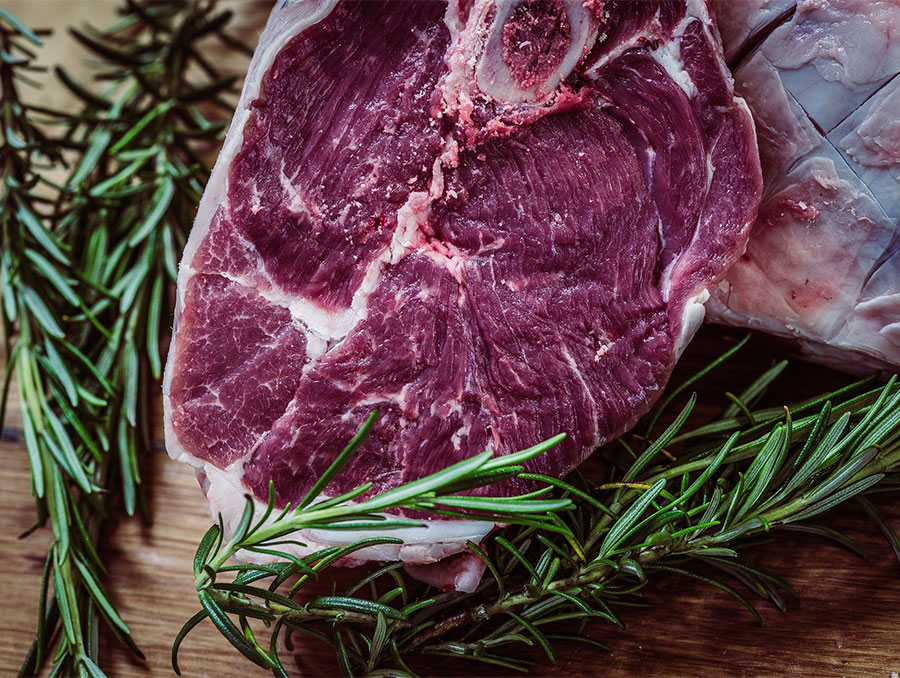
[494,222]
[823,265]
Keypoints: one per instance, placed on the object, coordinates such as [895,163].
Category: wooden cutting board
[846,621]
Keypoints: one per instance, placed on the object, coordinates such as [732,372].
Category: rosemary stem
[883,463]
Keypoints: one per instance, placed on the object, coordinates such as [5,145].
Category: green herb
[95,206]
[689,498]
[435,493]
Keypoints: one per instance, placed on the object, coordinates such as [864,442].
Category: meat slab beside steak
[823,264]
[494,222]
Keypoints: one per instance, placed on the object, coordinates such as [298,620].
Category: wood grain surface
[845,622]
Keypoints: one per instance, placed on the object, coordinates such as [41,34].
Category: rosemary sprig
[85,267]
[133,193]
[68,470]
[673,507]
[434,493]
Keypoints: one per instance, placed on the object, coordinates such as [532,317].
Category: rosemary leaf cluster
[686,501]
[436,493]
[95,206]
